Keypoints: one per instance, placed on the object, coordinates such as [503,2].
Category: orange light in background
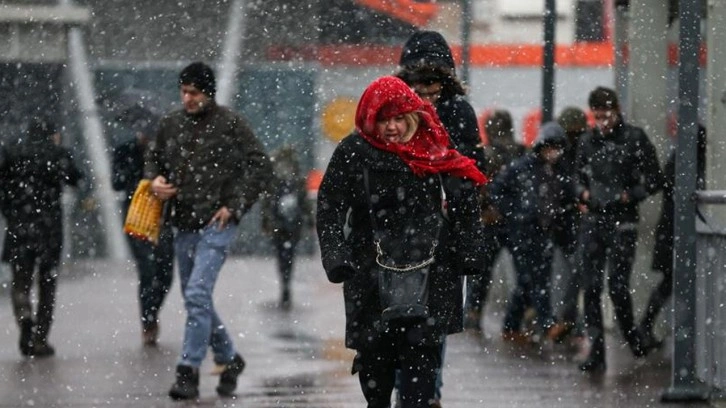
[338,118]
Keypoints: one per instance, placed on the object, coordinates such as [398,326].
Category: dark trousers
[604,240]
[657,300]
[23,268]
[418,365]
[285,246]
[155,267]
[532,254]
[478,285]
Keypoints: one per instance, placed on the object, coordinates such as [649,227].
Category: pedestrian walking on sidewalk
[32,174]
[154,263]
[285,213]
[617,169]
[398,206]
[210,166]
[532,194]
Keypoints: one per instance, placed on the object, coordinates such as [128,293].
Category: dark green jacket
[214,160]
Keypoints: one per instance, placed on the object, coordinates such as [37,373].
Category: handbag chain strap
[377,242]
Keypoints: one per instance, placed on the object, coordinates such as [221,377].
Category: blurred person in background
[617,168]
[285,213]
[33,172]
[574,121]
[154,263]
[663,247]
[395,184]
[502,149]
[530,194]
[207,162]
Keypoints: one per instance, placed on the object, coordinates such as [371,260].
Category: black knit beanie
[427,48]
[201,76]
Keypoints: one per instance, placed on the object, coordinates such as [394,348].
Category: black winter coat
[127,168]
[214,159]
[624,161]
[32,175]
[459,120]
[526,193]
[399,197]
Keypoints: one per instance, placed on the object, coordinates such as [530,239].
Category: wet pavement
[294,358]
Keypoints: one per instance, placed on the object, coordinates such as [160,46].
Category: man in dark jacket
[154,263]
[207,162]
[531,194]
[32,174]
[617,169]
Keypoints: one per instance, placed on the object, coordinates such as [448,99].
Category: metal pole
[620,43]
[117,248]
[466,17]
[548,61]
[684,384]
[230,56]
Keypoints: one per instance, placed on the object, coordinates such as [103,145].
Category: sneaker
[187,383]
[228,378]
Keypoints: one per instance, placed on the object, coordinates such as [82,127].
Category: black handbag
[403,287]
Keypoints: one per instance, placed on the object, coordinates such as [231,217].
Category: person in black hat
[208,164]
[32,174]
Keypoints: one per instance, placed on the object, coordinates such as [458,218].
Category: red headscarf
[428,150]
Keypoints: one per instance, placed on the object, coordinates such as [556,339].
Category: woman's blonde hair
[412,120]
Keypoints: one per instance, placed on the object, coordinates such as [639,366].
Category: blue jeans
[200,255]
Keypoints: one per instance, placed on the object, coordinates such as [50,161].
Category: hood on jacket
[550,134]
[427,48]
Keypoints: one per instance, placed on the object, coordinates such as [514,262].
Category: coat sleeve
[153,157]
[467,246]
[464,133]
[332,214]
[254,171]
[652,178]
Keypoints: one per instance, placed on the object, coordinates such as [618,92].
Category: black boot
[186,385]
[595,362]
[26,337]
[228,378]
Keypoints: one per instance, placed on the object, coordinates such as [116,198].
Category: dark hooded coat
[426,56]
[32,174]
[407,208]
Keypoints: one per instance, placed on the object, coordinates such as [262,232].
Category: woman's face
[394,130]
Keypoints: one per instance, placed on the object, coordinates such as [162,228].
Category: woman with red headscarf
[396,198]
